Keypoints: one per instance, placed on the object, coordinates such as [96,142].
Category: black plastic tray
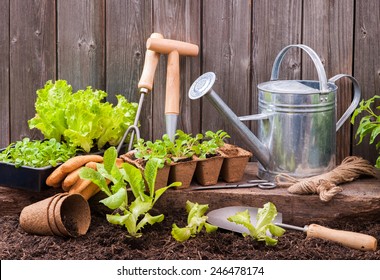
[24,177]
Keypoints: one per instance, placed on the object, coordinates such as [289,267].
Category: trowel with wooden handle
[172,94]
[349,239]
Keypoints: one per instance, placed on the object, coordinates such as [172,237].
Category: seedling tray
[24,177]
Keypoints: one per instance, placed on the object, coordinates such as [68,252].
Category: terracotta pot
[235,161]
[182,171]
[208,170]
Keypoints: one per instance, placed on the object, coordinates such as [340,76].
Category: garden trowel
[349,239]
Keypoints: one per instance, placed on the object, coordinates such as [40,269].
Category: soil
[104,241]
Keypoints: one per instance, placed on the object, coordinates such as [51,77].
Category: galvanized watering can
[296,120]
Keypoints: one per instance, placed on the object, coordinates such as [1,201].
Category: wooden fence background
[101,43]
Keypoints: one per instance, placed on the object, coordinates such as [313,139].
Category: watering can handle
[355,100]
[313,55]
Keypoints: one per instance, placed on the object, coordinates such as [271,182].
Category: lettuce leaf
[265,230]
[196,220]
[81,119]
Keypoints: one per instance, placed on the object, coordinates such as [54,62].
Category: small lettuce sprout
[196,220]
[265,216]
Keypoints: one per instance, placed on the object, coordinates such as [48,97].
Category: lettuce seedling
[147,150]
[265,216]
[134,216]
[196,220]
[37,153]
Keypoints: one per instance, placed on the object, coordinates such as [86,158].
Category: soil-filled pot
[182,171]
[208,170]
[162,173]
[131,159]
[62,214]
[234,163]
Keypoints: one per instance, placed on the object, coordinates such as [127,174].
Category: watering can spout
[203,87]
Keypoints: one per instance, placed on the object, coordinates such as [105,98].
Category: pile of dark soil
[108,242]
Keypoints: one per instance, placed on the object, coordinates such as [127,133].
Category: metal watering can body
[296,120]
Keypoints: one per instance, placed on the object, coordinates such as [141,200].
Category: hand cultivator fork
[145,86]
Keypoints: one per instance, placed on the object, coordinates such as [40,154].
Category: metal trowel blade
[219,217]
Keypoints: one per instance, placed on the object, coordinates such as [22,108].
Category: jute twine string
[326,185]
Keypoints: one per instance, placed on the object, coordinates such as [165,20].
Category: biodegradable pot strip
[51,219]
[62,214]
[182,172]
[34,218]
[208,170]
[72,215]
[235,161]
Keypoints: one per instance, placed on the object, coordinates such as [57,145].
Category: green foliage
[184,146]
[211,143]
[265,216]
[369,124]
[218,137]
[135,215]
[148,150]
[37,153]
[81,119]
[196,220]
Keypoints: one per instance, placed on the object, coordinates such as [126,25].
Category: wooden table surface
[358,200]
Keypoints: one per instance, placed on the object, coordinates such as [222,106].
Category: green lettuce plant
[132,215]
[196,220]
[265,217]
[82,119]
[369,124]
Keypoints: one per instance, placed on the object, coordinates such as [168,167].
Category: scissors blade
[228,186]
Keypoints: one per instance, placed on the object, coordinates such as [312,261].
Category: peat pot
[296,120]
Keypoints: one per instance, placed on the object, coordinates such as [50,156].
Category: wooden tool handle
[350,239]
[172,84]
[150,65]
[166,46]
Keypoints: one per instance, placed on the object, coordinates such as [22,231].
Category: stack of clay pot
[63,214]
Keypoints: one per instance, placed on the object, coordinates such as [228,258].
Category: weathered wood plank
[128,25]
[276,24]
[367,63]
[328,29]
[177,20]
[4,73]
[32,59]
[227,52]
[359,199]
[239,41]
[81,43]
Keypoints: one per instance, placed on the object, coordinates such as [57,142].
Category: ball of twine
[326,185]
